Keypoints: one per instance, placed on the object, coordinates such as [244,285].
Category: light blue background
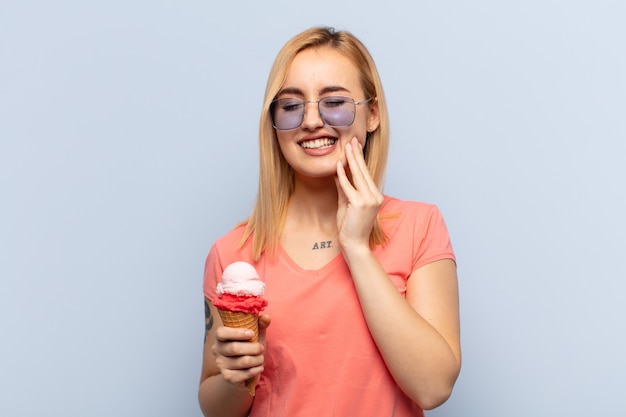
[128,145]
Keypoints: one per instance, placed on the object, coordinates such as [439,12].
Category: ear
[373,119]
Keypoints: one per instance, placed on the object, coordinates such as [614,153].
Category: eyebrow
[325,90]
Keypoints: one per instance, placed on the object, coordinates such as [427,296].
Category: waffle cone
[241,320]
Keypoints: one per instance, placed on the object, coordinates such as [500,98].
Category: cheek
[360,132]
[283,140]
[360,127]
[286,145]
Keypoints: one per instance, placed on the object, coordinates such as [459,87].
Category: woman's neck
[313,203]
[309,235]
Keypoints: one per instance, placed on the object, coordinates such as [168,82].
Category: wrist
[356,252]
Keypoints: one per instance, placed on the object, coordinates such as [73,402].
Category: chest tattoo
[327,244]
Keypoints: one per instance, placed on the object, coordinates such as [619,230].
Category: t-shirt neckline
[284,256]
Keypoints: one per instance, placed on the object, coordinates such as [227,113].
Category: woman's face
[314,148]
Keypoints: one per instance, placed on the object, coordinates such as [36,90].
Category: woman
[361,287]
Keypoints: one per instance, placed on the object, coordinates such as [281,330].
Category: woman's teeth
[318,143]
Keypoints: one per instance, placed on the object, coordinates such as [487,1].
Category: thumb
[264,322]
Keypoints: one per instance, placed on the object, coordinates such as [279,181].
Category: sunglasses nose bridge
[311,118]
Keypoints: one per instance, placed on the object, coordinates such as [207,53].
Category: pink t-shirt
[321,359]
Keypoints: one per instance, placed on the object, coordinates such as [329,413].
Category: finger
[238,377]
[231,353]
[360,172]
[356,163]
[345,190]
[226,334]
[237,371]
[340,180]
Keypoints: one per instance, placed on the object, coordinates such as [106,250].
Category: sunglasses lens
[287,113]
[337,111]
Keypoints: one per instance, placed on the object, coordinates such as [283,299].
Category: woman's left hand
[359,199]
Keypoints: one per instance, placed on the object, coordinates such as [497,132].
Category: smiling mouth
[318,143]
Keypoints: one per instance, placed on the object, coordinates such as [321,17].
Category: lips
[318,143]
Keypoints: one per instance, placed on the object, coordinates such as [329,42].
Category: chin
[318,173]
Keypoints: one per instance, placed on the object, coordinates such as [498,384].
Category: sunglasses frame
[305,102]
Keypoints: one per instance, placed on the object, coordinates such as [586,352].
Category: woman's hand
[236,357]
[359,199]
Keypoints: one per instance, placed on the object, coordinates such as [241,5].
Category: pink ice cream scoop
[240,278]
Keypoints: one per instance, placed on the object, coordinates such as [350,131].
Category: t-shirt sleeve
[432,239]
[212,271]
[224,251]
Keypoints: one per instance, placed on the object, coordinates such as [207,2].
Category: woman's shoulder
[418,226]
[230,247]
[395,206]
[234,235]
[404,215]
[224,251]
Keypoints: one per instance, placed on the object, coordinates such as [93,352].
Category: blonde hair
[276,177]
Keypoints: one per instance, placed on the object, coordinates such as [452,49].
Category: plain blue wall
[128,144]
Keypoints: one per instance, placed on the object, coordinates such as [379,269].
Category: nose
[312,118]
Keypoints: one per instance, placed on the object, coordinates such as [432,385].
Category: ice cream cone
[241,320]
[239,301]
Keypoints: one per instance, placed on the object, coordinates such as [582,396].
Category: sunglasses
[335,111]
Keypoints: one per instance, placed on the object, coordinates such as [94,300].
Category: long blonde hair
[276,177]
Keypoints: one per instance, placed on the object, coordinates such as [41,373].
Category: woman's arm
[418,337]
[228,361]
[422,347]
